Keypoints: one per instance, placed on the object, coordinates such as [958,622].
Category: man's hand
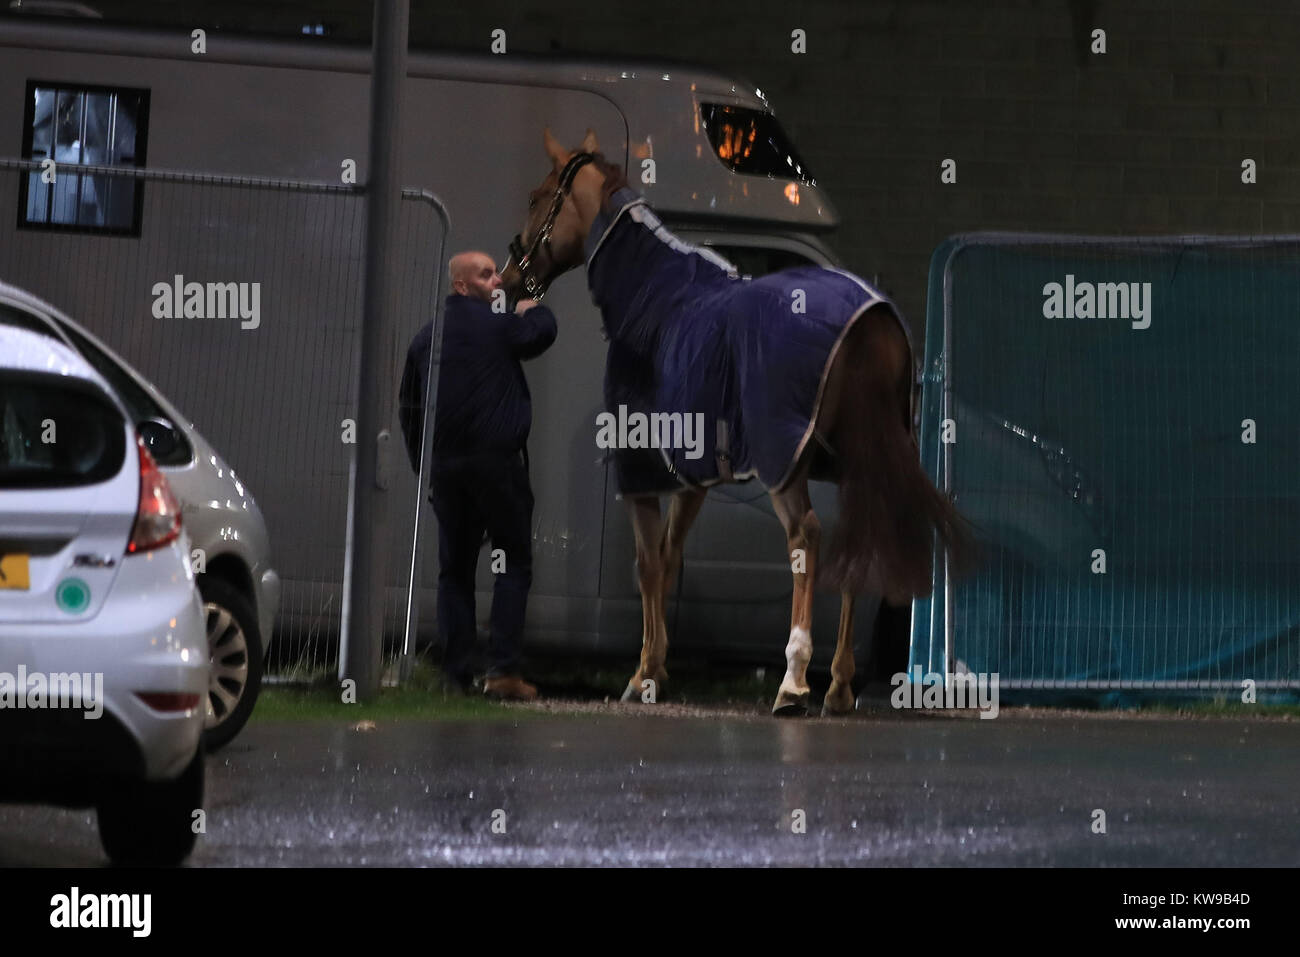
[524,305]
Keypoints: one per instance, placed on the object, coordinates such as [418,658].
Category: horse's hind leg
[803,535]
[839,699]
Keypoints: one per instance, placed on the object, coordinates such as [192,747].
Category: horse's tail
[890,511]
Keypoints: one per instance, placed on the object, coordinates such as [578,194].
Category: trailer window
[77,125]
[751,141]
[759,261]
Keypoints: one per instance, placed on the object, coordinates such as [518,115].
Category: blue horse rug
[746,359]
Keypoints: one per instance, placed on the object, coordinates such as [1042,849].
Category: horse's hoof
[645,691]
[791,705]
[838,703]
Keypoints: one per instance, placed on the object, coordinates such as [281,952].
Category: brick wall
[1147,138]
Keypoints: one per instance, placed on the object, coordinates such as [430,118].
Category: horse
[832,400]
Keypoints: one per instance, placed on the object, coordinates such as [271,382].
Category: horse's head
[560,213]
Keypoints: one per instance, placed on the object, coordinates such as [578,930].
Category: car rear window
[55,433]
[137,401]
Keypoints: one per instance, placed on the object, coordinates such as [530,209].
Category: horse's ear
[589,144]
[558,154]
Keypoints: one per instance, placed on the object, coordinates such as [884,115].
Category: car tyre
[235,647]
[152,824]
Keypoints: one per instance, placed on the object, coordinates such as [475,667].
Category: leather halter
[525,259]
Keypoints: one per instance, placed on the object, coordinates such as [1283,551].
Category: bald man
[479,475]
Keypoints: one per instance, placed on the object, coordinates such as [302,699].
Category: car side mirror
[161,438]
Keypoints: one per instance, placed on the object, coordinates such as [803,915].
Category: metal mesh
[1138,531]
[271,400]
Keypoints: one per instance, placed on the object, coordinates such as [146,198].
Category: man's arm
[531,330]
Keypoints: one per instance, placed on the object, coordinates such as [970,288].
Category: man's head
[474,274]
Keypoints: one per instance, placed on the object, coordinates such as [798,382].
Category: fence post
[368,559]
[428,418]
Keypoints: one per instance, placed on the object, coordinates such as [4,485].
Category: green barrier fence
[1118,418]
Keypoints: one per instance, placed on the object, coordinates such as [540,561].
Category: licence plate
[14,572]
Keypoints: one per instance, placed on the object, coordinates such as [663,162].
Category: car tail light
[158,516]
[169,700]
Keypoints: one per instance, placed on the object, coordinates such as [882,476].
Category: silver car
[230,547]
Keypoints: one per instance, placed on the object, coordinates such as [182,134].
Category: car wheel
[235,647]
[152,824]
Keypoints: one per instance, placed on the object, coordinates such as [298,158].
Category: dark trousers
[473,494]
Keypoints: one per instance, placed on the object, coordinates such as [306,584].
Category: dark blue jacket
[483,400]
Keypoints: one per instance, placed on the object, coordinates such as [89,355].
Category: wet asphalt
[620,787]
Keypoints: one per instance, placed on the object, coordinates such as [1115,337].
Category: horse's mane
[615,178]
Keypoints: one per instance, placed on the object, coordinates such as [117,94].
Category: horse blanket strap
[723,453]
[688,335]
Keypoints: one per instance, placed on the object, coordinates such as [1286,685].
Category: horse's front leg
[669,538]
[685,507]
[803,536]
[648,529]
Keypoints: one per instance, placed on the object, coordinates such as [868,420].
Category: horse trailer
[277,130]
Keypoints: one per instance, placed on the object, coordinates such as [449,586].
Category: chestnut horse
[859,434]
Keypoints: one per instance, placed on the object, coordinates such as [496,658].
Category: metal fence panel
[1131,465]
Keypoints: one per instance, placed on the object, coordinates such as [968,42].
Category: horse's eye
[532,202]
